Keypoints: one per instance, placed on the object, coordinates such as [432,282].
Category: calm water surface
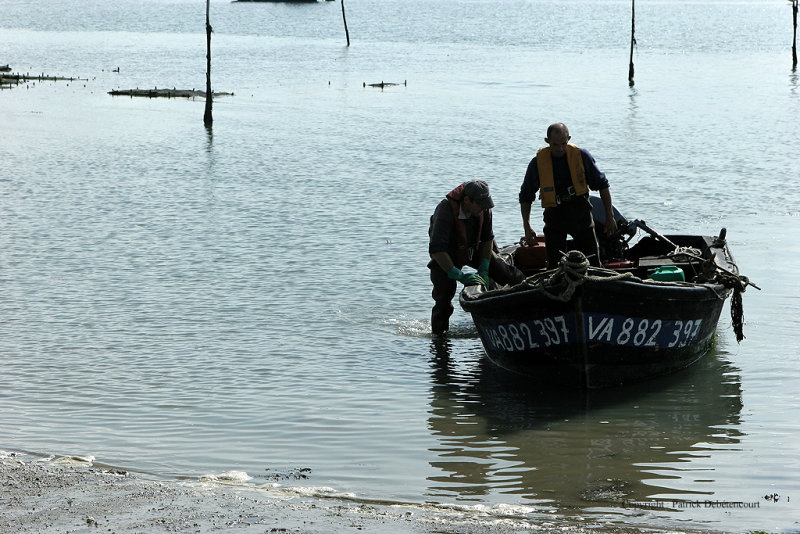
[182,302]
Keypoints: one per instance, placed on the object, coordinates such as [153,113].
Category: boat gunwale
[476,295]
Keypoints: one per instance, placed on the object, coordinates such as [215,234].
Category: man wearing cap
[562,173]
[461,234]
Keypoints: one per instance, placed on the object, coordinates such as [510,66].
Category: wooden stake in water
[794,38]
[207,118]
[344,19]
[633,42]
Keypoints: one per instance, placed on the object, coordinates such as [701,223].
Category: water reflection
[503,434]
[633,106]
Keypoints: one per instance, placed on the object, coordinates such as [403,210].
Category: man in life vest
[563,174]
[461,234]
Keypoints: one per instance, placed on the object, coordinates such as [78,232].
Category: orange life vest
[547,188]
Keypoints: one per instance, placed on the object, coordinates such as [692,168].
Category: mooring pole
[794,38]
[633,42]
[207,118]
[344,19]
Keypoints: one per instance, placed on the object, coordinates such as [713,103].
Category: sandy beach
[66,495]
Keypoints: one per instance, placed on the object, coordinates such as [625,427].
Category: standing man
[461,234]
[563,175]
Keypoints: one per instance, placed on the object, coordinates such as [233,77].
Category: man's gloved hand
[483,269]
[468,279]
[474,279]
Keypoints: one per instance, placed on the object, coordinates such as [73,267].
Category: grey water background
[181,302]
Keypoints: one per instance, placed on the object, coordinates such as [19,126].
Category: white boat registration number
[598,328]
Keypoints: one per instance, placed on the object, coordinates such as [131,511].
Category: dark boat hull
[610,332]
[281,1]
[652,311]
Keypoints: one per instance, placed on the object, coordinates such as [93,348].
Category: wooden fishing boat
[651,310]
[284,1]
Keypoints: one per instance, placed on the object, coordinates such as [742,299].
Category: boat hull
[281,1]
[609,332]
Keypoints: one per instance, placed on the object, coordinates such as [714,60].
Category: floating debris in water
[297,473]
[385,84]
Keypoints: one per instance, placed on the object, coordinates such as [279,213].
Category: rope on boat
[686,254]
[573,267]
[572,271]
[738,284]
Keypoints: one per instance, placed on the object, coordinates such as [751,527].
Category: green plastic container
[668,274]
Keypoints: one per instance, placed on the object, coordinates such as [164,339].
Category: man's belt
[563,199]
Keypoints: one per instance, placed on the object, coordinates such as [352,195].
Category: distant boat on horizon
[284,1]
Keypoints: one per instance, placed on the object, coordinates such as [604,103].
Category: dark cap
[478,191]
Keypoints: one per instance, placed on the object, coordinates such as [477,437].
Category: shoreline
[70,495]
[45,495]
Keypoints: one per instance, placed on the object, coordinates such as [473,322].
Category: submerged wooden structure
[10,79]
[385,84]
[164,93]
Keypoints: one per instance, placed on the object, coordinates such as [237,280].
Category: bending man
[461,234]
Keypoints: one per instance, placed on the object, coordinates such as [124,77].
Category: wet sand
[46,497]
[54,496]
